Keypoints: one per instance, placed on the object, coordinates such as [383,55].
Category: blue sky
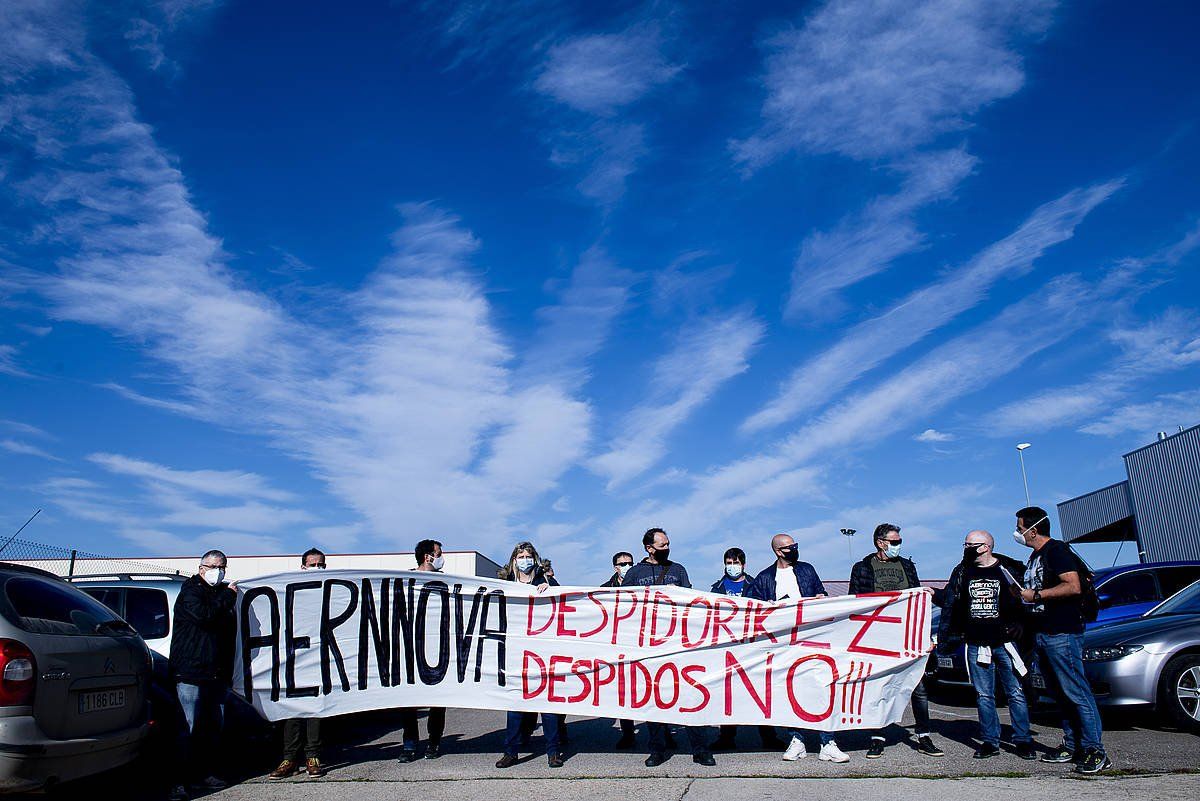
[276,274]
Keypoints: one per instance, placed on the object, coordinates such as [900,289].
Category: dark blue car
[1125,592]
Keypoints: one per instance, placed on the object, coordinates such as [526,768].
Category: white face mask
[622,570]
[438,562]
[1019,538]
[213,575]
[524,563]
[733,571]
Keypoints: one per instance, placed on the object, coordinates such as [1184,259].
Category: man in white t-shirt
[789,580]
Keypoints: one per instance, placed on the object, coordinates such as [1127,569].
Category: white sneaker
[831,753]
[795,750]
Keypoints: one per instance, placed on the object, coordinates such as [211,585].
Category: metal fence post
[71,567]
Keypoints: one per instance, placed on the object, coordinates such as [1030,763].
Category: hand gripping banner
[316,644]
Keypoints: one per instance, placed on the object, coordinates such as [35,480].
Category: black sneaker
[986,750]
[876,749]
[655,759]
[1094,762]
[433,751]
[704,758]
[1026,751]
[408,754]
[1059,756]
[925,746]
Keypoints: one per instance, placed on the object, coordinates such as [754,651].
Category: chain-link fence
[71,562]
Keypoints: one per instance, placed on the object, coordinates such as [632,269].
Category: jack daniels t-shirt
[990,605]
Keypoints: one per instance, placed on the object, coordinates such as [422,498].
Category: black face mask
[662,555]
[970,553]
[791,554]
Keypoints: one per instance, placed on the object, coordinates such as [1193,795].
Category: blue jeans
[512,732]
[200,725]
[1060,657]
[826,737]
[984,679]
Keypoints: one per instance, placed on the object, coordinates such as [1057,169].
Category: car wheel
[1179,691]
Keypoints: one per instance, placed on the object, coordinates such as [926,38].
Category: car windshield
[50,607]
[1184,602]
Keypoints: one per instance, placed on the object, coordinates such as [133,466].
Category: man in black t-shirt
[986,612]
[1052,591]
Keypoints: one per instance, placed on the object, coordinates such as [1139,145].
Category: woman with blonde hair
[525,567]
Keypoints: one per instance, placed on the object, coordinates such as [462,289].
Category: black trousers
[436,724]
[658,738]
[765,733]
[302,736]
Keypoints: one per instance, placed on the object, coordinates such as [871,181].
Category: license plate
[945,662]
[101,700]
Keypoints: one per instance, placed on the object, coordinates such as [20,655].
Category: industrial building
[1157,506]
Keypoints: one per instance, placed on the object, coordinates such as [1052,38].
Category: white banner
[312,644]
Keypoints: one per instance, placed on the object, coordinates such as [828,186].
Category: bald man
[788,580]
[984,608]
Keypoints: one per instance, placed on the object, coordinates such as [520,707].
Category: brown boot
[287,768]
[314,768]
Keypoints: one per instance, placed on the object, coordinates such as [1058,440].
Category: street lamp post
[1024,479]
[848,533]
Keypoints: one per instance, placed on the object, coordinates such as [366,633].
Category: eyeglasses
[623,564]
[320,566]
[974,544]
[896,541]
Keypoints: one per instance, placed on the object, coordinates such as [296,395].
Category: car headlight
[1109,653]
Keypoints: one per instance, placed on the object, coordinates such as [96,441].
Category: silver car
[73,681]
[1151,661]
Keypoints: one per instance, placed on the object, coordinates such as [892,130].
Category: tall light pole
[1024,479]
[848,533]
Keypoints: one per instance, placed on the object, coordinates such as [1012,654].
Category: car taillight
[18,673]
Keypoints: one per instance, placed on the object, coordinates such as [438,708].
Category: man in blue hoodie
[789,579]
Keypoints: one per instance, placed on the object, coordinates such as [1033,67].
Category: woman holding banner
[525,567]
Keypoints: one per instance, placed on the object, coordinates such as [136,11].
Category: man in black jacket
[885,571]
[202,641]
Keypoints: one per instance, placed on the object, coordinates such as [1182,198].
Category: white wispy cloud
[950,371]
[867,242]
[25,449]
[178,407]
[406,406]
[26,429]
[872,79]
[225,483]
[8,362]
[707,355]
[933,435]
[1164,413]
[153,26]
[603,72]
[923,311]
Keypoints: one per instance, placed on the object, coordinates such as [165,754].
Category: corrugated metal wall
[1164,486]
[1087,513]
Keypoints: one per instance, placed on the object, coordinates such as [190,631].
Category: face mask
[524,563]
[970,554]
[1019,538]
[733,571]
[663,555]
[791,554]
[214,576]
[892,551]
[622,570]
[438,562]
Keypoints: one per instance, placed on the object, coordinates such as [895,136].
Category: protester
[622,561]
[547,569]
[983,606]
[733,581]
[302,735]
[525,567]
[429,558]
[887,571]
[657,569]
[1053,590]
[201,663]
[789,579]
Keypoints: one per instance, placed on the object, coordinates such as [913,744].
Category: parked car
[1153,660]
[73,683]
[1125,592]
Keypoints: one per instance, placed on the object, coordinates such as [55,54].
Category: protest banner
[347,641]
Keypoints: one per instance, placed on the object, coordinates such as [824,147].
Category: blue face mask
[524,564]
[893,551]
[733,571]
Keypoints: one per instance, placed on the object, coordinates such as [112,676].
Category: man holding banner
[789,580]
[657,569]
[429,558]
